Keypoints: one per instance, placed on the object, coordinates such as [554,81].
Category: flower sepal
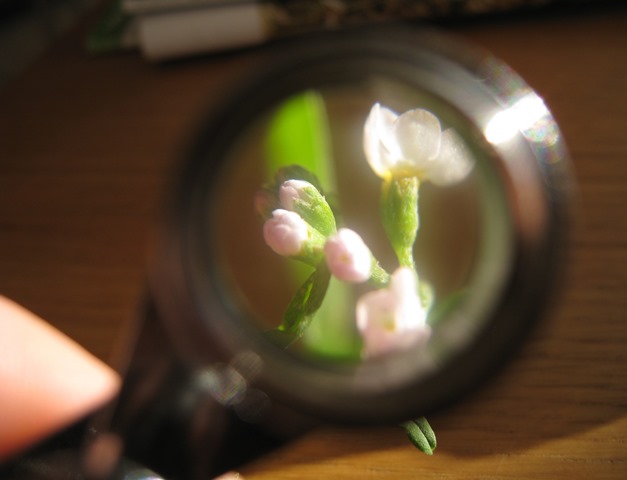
[304,198]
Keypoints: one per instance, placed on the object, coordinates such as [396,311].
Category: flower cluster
[302,226]
[404,151]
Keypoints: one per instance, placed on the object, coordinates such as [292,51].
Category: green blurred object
[299,134]
[113,32]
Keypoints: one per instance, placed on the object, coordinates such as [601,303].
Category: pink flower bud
[348,257]
[285,233]
[292,190]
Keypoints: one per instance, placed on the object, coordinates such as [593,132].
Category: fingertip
[47,381]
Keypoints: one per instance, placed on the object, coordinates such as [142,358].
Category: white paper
[194,31]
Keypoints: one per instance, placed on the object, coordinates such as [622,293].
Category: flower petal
[378,139]
[375,321]
[392,318]
[387,118]
[454,162]
[417,133]
[410,313]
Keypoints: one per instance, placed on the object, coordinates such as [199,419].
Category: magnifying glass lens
[375,220]
[351,221]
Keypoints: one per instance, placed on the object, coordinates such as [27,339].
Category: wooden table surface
[86,145]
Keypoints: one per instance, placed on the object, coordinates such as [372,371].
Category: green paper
[299,134]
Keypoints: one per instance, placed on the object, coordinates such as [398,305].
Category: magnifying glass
[361,234]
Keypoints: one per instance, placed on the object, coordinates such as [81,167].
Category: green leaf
[306,302]
[280,338]
[332,332]
[421,435]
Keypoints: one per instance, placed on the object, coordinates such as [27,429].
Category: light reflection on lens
[523,116]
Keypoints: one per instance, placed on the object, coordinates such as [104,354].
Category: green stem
[399,214]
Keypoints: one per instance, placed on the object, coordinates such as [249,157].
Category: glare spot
[224,384]
[520,117]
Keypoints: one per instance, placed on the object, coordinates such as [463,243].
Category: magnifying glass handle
[168,418]
[175,419]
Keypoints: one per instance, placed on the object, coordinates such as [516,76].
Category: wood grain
[86,148]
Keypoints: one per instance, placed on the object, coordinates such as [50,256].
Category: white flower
[286,232]
[392,318]
[413,144]
[348,257]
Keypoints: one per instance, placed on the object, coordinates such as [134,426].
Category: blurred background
[86,148]
[28,27]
